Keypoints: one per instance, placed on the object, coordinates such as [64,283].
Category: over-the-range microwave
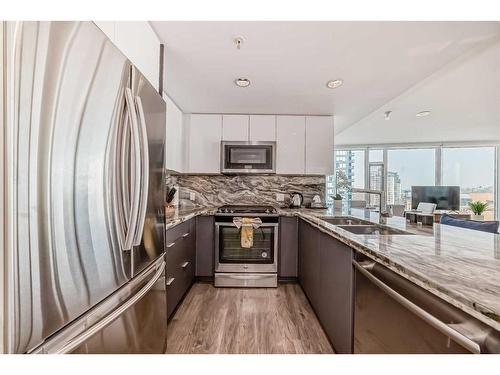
[248,157]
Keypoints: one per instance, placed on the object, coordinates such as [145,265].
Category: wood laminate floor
[234,320]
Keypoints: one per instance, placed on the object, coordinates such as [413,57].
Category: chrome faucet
[382,213]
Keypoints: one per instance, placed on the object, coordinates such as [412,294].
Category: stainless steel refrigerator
[85,145]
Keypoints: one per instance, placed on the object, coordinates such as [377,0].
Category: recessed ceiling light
[423,113]
[242,82]
[334,83]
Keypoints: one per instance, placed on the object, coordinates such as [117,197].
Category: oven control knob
[264,254]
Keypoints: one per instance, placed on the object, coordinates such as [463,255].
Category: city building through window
[396,169]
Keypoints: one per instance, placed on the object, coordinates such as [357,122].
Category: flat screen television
[445,197]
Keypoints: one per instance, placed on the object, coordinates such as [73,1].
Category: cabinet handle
[185,235]
[185,264]
[170,281]
[170,245]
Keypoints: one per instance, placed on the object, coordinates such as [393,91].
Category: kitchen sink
[344,220]
[373,229]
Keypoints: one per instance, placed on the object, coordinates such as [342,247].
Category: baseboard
[204,279]
[284,280]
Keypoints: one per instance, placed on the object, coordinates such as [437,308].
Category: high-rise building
[393,188]
[344,169]
[376,182]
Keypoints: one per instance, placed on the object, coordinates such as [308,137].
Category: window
[349,173]
[473,169]
[395,169]
[406,168]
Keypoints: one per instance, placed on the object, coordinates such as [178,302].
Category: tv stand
[415,217]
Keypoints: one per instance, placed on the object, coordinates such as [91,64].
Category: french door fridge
[85,141]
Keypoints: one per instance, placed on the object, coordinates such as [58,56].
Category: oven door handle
[267,225]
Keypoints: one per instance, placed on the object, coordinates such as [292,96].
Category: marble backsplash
[214,190]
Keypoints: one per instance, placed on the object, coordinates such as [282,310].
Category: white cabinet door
[235,127]
[205,134]
[140,44]
[262,128]
[174,137]
[290,144]
[319,145]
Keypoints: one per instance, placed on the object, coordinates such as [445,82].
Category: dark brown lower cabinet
[336,307]
[309,262]
[205,226]
[288,247]
[181,260]
[326,276]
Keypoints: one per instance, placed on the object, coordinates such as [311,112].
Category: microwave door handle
[144,157]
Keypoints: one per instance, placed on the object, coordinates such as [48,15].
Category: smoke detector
[238,41]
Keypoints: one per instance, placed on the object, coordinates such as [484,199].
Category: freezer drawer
[131,321]
[393,315]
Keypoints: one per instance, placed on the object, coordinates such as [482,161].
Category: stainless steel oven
[248,157]
[236,266]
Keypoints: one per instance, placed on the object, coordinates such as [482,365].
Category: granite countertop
[459,265]
[180,215]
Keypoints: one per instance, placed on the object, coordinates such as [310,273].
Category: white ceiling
[463,97]
[288,63]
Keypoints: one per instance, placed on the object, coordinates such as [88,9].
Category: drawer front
[180,256]
[173,234]
[179,279]
[174,292]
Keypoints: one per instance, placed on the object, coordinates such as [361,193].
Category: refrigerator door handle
[117,177]
[77,341]
[135,172]
[144,157]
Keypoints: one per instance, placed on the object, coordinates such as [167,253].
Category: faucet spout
[382,213]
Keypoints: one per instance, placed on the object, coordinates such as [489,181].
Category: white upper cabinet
[139,43]
[204,137]
[262,128]
[235,127]
[290,145]
[174,137]
[319,145]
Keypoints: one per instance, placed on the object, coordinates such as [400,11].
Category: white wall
[464,98]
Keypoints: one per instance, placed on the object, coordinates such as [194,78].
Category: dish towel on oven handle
[247,225]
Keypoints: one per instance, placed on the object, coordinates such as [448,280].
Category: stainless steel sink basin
[373,229]
[345,220]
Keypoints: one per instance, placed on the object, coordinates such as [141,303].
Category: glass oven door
[246,157]
[231,257]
